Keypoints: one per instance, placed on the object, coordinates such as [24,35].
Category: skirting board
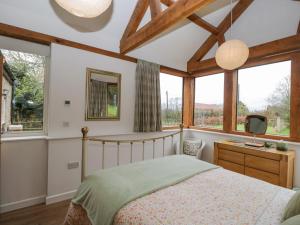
[60,197]
[22,204]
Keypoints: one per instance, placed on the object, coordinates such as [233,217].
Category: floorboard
[53,214]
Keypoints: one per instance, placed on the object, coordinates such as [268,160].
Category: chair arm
[198,156]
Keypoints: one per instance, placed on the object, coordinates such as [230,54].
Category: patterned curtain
[147,116]
[97,99]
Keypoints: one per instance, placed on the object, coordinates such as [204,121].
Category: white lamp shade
[85,8]
[232,54]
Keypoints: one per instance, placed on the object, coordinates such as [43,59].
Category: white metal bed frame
[86,139]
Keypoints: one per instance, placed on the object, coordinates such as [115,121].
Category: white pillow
[192,147]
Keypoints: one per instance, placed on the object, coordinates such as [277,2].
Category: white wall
[211,137]
[23,173]
[68,81]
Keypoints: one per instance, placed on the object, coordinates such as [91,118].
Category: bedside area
[267,164]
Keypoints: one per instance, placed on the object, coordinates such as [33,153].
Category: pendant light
[85,8]
[233,53]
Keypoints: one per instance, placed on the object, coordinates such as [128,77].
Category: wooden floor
[53,214]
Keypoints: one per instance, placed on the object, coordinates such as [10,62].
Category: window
[265,90]
[171,99]
[22,91]
[209,97]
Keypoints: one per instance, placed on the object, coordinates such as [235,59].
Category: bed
[201,193]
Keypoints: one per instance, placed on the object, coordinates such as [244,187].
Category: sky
[210,89]
[256,84]
[171,84]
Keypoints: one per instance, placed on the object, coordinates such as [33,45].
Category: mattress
[215,197]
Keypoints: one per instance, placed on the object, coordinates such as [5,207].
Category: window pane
[265,90]
[23,91]
[209,97]
[171,99]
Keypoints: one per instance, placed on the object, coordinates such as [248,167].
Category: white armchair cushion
[193,147]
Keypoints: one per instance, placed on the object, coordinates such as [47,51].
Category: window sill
[266,136]
[22,136]
[207,129]
[270,138]
[171,127]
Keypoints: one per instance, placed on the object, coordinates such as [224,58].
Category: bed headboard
[118,141]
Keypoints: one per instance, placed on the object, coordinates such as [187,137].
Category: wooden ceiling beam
[257,53]
[221,39]
[155,8]
[237,11]
[180,10]
[136,18]
[203,24]
[196,19]
[45,39]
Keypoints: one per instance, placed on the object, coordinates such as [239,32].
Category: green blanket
[105,192]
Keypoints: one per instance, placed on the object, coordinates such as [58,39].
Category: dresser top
[259,149]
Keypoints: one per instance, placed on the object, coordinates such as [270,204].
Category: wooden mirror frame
[89,71]
[260,117]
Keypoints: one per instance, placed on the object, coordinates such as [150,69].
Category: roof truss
[161,20]
[196,19]
[237,11]
[182,9]
[256,54]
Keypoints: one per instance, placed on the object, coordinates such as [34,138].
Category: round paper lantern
[232,54]
[85,8]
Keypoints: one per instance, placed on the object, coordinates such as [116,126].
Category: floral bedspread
[216,197]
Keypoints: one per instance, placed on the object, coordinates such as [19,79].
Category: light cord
[230,19]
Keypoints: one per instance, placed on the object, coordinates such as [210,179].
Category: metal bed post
[103,152]
[163,146]
[181,140]
[153,149]
[131,143]
[84,132]
[118,156]
[143,150]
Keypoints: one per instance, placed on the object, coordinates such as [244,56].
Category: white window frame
[32,48]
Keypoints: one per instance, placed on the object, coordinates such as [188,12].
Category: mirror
[103,95]
[256,124]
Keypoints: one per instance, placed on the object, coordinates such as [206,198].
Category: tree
[242,109]
[28,97]
[279,101]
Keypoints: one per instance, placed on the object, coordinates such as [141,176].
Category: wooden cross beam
[257,53]
[155,8]
[196,19]
[180,10]
[237,11]
[136,18]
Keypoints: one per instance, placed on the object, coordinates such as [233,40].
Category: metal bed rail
[103,141]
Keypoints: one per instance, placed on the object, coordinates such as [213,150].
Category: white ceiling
[264,20]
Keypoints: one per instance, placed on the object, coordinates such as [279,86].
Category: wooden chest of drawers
[270,165]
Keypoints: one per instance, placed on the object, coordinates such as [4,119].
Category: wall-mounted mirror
[103,93]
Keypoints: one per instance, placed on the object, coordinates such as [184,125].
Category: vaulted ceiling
[263,21]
